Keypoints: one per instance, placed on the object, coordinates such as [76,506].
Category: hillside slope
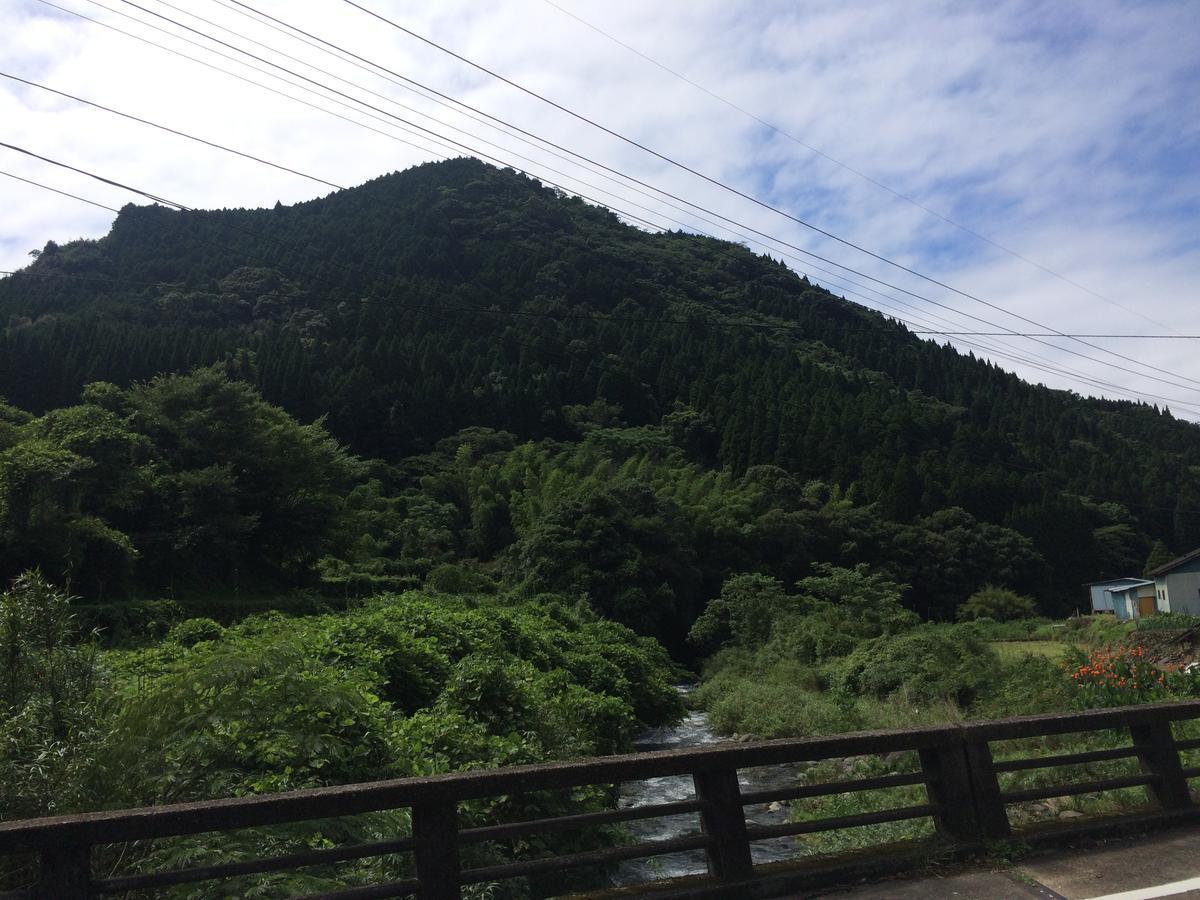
[455,295]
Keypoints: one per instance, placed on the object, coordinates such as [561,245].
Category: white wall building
[1177,585]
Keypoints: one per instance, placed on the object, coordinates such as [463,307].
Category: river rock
[1070,814]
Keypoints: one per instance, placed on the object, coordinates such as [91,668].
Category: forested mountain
[439,319]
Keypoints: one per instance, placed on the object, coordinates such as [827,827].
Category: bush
[1027,686]
[997,603]
[780,703]
[927,664]
[190,632]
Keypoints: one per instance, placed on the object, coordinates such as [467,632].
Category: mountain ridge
[455,295]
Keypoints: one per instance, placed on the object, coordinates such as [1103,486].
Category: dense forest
[512,381]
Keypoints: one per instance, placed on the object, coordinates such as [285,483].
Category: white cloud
[1066,132]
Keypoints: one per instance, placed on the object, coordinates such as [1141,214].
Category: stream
[694,731]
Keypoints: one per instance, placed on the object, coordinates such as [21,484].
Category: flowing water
[694,731]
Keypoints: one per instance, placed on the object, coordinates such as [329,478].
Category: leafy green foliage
[998,604]
[404,685]
[926,664]
[48,680]
[367,307]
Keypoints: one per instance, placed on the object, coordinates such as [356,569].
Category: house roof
[1114,581]
[1125,588]
[1175,563]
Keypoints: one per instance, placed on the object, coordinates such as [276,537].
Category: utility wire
[1139,337]
[473,151]
[235,75]
[852,170]
[683,166]
[100,178]
[859,273]
[183,134]
[47,187]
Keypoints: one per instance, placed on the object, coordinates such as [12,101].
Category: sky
[1038,163]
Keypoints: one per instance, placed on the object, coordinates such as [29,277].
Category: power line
[717,182]
[183,134]
[1139,337]
[240,78]
[57,191]
[851,169]
[101,178]
[718,215]
[473,151]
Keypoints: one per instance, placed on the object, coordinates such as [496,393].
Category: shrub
[1026,686]
[926,664]
[190,632]
[780,703]
[997,603]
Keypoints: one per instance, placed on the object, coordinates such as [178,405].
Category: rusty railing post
[65,873]
[1157,756]
[723,819]
[435,826]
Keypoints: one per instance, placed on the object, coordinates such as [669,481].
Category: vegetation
[451,471]
[410,684]
[457,296]
[998,604]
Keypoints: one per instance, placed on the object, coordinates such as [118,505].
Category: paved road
[1166,865]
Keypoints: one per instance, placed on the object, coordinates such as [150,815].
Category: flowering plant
[1117,676]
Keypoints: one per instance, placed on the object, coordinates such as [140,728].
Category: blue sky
[1067,132]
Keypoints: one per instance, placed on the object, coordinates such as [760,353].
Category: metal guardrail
[964,801]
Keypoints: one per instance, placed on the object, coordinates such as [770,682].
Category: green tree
[998,603]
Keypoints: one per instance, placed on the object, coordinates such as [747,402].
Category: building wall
[1183,592]
[1102,600]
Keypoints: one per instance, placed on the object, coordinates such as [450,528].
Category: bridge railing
[954,764]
